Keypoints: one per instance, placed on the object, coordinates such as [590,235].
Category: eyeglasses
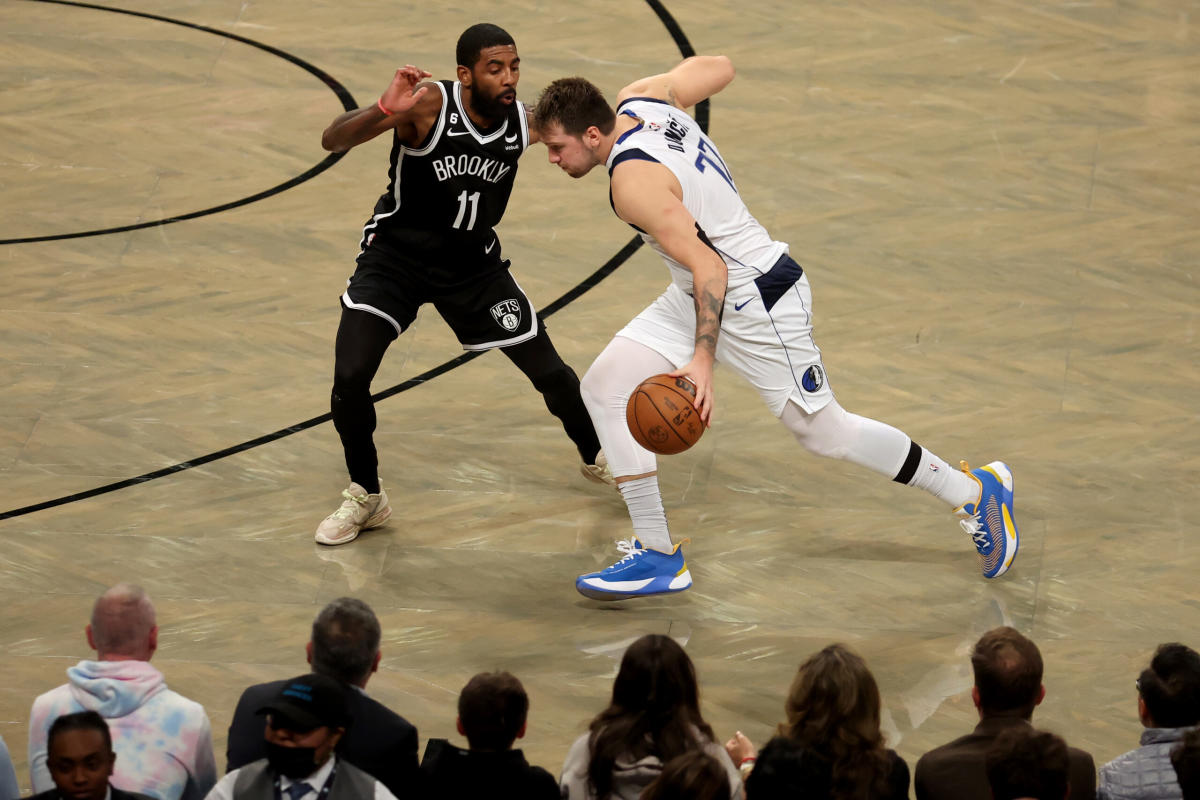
[1137,684]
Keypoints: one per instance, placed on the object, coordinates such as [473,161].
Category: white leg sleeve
[834,432]
[606,387]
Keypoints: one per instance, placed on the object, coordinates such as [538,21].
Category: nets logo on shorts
[814,379]
[508,314]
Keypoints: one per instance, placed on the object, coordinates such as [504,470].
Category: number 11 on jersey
[463,200]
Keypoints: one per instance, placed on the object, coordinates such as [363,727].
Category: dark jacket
[378,741]
[956,771]
[452,773]
[117,794]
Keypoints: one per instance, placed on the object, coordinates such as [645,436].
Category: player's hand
[740,748]
[399,96]
[700,372]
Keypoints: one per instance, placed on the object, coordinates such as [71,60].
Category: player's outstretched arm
[648,195]
[692,80]
[399,107]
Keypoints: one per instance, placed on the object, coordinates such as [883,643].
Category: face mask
[292,762]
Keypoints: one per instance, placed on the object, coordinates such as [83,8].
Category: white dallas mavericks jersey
[669,136]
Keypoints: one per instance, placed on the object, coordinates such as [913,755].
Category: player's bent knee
[828,432]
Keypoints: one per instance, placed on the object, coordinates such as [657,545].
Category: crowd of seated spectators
[115,731]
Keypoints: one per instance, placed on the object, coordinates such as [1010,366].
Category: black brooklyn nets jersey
[445,196]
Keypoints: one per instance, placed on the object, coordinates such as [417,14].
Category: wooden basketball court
[997,208]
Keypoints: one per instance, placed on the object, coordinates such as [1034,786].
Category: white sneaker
[599,472]
[359,512]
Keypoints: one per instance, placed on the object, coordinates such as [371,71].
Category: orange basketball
[661,415]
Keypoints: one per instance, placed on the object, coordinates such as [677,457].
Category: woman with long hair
[654,716]
[833,710]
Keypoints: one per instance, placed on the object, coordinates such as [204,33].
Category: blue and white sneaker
[989,520]
[640,573]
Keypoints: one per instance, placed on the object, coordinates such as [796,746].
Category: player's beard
[489,106]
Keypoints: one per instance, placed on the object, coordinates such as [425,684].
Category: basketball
[661,415]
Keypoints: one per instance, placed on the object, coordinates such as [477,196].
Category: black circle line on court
[342,93]
[610,266]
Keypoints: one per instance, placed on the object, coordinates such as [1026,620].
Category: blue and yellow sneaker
[640,573]
[989,520]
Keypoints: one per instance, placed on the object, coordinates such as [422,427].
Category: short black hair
[345,640]
[476,39]
[787,770]
[1023,762]
[79,721]
[1008,672]
[1170,687]
[492,707]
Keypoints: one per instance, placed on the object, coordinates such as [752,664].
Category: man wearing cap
[305,721]
[344,646]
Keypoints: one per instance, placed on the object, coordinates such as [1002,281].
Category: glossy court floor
[997,207]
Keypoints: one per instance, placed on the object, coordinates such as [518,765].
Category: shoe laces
[629,548]
[971,525]
[350,506]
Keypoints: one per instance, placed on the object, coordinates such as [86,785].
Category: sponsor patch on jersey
[508,314]
[814,379]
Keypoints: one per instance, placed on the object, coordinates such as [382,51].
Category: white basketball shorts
[766,336]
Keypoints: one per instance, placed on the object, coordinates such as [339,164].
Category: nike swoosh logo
[741,305]
[488,249]
[510,139]
[457,133]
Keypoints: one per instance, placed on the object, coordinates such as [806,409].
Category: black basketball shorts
[491,312]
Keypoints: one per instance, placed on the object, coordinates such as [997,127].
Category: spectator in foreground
[306,720]
[833,710]
[81,760]
[1185,757]
[1008,687]
[1024,764]
[786,770]
[654,716]
[695,775]
[163,739]
[8,776]
[492,713]
[1168,705]
[344,646]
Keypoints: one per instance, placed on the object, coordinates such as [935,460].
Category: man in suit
[80,760]
[345,647]
[306,719]
[1008,686]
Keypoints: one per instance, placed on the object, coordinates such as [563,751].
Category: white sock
[646,510]
[944,482]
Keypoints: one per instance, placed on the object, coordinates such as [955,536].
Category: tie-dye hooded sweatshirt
[163,741]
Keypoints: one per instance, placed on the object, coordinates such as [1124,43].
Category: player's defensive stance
[737,297]
[455,146]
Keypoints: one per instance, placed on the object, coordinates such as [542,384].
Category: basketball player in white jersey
[737,297]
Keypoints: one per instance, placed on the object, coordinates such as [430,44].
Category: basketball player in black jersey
[455,146]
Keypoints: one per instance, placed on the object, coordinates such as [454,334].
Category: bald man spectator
[344,646]
[163,741]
